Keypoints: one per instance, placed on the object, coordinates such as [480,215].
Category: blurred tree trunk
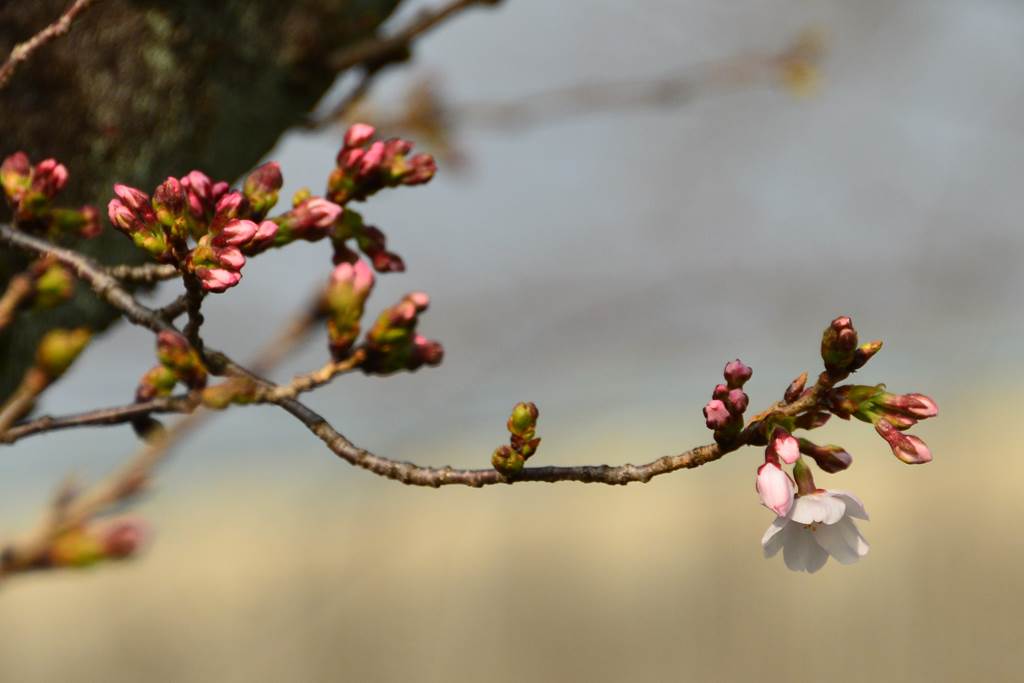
[143,89]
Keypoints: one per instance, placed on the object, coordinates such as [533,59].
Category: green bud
[507,461]
[59,348]
[523,420]
[54,286]
[839,345]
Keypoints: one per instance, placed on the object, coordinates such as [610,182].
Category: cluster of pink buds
[365,166]
[30,191]
[890,414]
[724,412]
[392,344]
[523,440]
[345,301]
[179,362]
[813,524]
[194,207]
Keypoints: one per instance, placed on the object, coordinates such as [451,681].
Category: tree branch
[147,273]
[22,51]
[103,416]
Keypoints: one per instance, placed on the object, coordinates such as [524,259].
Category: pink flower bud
[785,446]
[371,161]
[136,200]
[422,168]
[737,400]
[217,279]
[49,177]
[315,214]
[716,415]
[721,392]
[90,222]
[829,458]
[121,216]
[736,373]
[906,447]
[419,299]
[230,257]
[264,237]
[264,179]
[775,488]
[236,233]
[123,537]
[358,134]
[426,352]
[921,406]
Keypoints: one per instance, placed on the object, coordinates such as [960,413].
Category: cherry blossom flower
[818,525]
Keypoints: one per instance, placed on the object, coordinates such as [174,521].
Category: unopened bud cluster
[365,166]
[30,191]
[392,344]
[523,440]
[179,362]
[813,524]
[724,412]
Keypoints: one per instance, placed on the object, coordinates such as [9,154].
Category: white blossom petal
[854,506]
[772,539]
[831,538]
[817,507]
[853,537]
[797,547]
[816,558]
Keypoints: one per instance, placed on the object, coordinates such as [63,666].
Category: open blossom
[818,525]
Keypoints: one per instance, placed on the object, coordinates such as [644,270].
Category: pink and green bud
[236,233]
[736,373]
[122,538]
[392,343]
[49,177]
[158,381]
[422,168]
[830,458]
[16,176]
[906,447]
[864,353]
[175,353]
[345,301]
[507,461]
[261,189]
[132,214]
[839,345]
[83,222]
[217,267]
[784,446]
[774,487]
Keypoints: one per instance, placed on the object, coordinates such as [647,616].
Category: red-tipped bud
[49,177]
[262,188]
[124,537]
[737,400]
[839,344]
[736,373]
[170,201]
[906,447]
[236,233]
[830,458]
[716,414]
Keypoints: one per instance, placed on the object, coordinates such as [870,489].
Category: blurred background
[604,263]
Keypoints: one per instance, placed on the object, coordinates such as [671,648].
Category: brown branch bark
[23,51]
[18,291]
[405,472]
[146,274]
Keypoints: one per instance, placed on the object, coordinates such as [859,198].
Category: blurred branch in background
[23,51]
[425,111]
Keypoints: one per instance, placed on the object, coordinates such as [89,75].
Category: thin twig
[408,473]
[378,49]
[312,380]
[19,290]
[147,273]
[103,416]
[23,51]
